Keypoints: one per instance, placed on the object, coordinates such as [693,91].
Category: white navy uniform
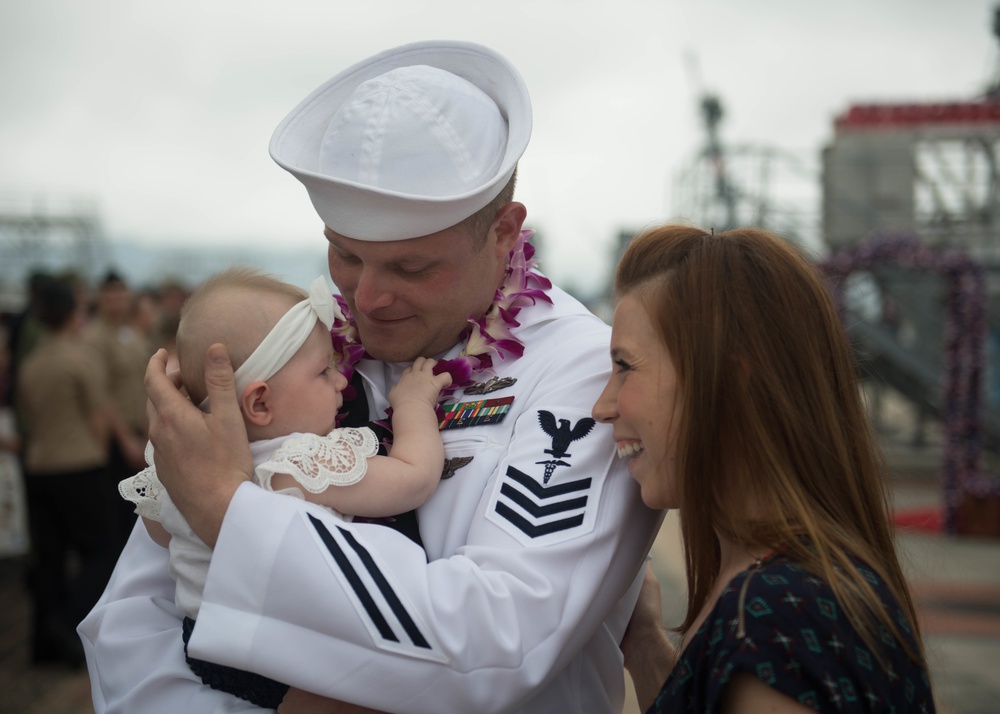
[533,557]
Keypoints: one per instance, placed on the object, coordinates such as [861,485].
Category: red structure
[896,117]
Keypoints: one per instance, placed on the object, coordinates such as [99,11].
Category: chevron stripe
[532,504]
[539,511]
[533,530]
[541,491]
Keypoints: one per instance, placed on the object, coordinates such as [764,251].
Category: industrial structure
[929,169]
[728,185]
[47,234]
[911,213]
[909,227]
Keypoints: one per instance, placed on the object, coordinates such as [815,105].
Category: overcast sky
[161,112]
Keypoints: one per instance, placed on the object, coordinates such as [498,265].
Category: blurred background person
[145,319]
[24,332]
[172,294]
[62,394]
[123,354]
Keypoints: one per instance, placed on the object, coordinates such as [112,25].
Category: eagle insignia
[454,464]
[562,436]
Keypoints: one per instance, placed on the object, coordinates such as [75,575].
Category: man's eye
[621,365]
[347,258]
[410,272]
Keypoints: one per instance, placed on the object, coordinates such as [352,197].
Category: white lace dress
[315,462]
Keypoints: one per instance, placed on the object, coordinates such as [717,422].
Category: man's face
[413,297]
[113,302]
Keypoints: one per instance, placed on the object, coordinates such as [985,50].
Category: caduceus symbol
[550,468]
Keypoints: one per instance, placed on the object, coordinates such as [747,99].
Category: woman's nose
[605,408]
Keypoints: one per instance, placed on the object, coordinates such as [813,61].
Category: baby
[278,339]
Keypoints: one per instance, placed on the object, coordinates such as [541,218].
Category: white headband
[287,336]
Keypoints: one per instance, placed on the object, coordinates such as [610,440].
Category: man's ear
[507,224]
[254,403]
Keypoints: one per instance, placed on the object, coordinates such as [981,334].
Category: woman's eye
[621,365]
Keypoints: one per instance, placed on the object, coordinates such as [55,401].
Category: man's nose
[372,292]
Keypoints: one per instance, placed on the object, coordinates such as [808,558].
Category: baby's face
[308,391]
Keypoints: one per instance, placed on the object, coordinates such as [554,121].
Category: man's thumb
[219,381]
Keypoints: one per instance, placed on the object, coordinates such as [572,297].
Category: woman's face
[642,403]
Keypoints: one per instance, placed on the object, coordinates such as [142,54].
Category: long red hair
[771,415]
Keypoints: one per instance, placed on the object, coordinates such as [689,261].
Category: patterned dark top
[799,642]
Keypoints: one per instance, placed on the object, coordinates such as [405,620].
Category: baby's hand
[419,383]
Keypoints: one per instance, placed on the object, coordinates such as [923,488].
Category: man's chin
[386,349]
[399,345]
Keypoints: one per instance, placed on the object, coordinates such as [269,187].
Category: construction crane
[730,185]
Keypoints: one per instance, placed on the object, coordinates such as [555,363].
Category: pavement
[24,688]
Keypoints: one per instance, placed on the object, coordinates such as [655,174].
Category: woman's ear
[254,403]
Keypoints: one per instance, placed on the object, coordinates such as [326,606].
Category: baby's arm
[408,476]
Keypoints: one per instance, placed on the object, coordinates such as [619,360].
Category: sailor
[533,544]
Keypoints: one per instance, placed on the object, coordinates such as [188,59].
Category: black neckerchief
[356,412]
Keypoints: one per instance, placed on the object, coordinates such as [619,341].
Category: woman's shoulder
[779,587]
[777,580]
[799,585]
[784,625]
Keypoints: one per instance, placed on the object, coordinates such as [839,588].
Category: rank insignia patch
[479,413]
[547,492]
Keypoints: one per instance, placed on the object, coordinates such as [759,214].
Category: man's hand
[200,458]
[648,652]
[297,701]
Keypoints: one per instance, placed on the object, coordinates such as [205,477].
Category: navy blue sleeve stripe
[352,577]
[387,592]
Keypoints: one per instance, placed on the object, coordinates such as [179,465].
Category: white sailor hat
[409,142]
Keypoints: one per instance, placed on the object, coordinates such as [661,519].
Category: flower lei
[486,338]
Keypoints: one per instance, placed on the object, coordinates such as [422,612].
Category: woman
[734,398]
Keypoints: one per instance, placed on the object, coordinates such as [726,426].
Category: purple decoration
[962,470]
